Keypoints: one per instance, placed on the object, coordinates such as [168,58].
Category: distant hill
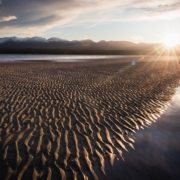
[39,45]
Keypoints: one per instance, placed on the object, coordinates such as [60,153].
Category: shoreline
[156,152]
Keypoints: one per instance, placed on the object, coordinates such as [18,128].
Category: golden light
[170,42]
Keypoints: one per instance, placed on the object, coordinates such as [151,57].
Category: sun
[170,42]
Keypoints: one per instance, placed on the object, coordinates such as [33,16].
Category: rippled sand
[73,120]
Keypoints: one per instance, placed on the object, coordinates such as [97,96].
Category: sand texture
[73,120]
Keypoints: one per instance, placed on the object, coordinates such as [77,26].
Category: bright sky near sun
[131,20]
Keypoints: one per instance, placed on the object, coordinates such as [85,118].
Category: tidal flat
[74,120]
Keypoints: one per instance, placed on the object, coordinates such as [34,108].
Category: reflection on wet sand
[157,149]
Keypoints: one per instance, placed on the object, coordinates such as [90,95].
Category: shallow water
[59,58]
[175,104]
[81,58]
[157,149]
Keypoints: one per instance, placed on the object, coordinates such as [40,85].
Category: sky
[127,20]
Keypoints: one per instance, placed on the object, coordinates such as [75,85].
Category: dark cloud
[33,12]
[160,8]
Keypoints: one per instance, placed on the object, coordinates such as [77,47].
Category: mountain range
[39,45]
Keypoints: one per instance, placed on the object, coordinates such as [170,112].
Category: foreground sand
[73,120]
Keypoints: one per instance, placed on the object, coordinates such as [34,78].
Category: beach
[156,149]
[77,120]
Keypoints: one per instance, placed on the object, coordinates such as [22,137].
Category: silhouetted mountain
[61,46]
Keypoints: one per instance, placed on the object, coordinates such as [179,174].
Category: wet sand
[75,120]
[157,149]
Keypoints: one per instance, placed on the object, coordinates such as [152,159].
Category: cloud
[7,18]
[45,14]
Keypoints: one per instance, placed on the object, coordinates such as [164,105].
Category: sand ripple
[73,120]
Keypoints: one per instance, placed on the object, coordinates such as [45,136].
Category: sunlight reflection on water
[58,58]
[175,103]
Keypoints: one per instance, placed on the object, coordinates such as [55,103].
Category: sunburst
[170,42]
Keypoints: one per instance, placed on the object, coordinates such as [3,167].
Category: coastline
[156,153]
